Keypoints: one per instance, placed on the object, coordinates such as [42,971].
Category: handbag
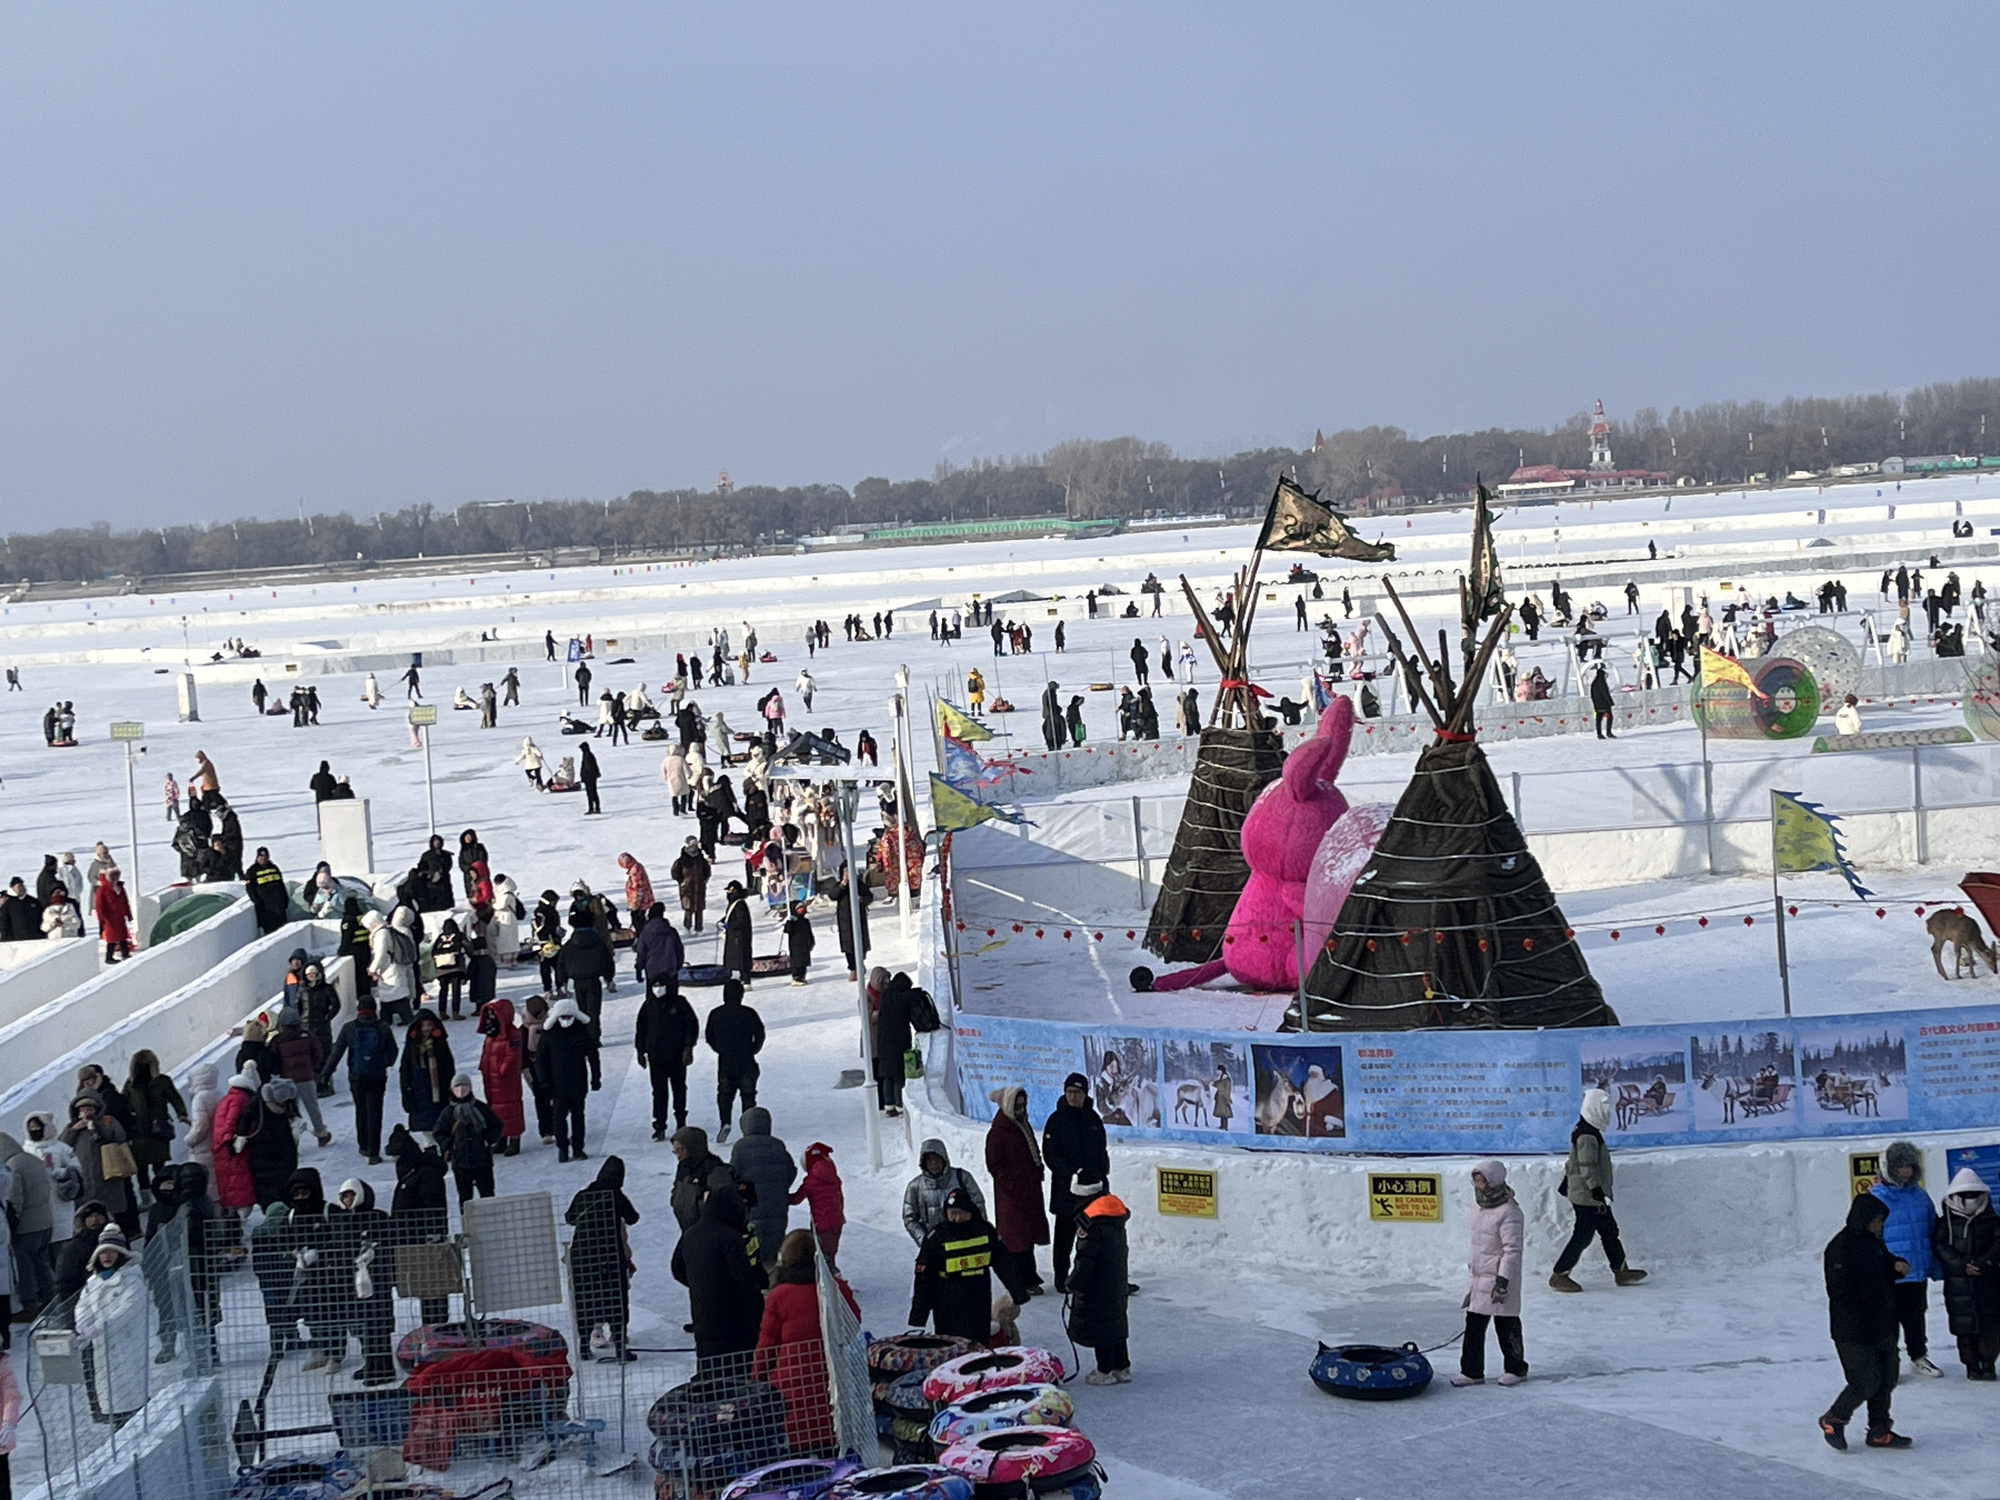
[913,1064]
[114,1159]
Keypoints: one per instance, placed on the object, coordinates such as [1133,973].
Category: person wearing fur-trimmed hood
[1014,1161]
[1587,1181]
[1965,1244]
[1493,1293]
[1912,1216]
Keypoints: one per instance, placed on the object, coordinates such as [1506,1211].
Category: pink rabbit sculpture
[1291,880]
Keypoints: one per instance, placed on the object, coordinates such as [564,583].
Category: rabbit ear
[1336,726]
[1317,762]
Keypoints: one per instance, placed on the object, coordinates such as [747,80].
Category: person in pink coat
[500,1061]
[819,1188]
[1493,1294]
[237,1118]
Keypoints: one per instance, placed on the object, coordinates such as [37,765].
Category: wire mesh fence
[323,1345]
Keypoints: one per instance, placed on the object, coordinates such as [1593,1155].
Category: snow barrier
[182,1023]
[29,980]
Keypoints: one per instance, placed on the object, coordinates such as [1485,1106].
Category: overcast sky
[369,255]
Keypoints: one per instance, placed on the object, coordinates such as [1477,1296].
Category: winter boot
[1101,1377]
[1627,1276]
[1510,1378]
[1886,1437]
[513,1146]
[1834,1432]
[1561,1282]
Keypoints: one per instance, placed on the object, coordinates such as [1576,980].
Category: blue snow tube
[794,1479]
[1369,1372]
[909,1482]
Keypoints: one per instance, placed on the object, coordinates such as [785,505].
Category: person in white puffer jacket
[1493,1293]
[389,969]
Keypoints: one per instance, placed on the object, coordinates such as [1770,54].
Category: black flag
[1484,595]
[1298,522]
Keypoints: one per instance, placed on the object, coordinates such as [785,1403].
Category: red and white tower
[1600,442]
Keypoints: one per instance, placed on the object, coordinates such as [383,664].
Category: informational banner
[1470,1092]
[1405,1197]
[1186,1193]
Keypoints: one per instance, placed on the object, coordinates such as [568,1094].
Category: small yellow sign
[1863,1167]
[1186,1194]
[1405,1198]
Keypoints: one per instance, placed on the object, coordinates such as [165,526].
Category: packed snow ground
[1703,1380]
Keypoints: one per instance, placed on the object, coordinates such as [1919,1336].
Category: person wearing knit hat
[1493,1293]
[1587,1185]
[468,1132]
[110,1321]
[1966,1247]
[1073,1142]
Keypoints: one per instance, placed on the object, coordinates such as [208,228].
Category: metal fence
[302,1350]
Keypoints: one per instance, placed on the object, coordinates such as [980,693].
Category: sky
[374,255]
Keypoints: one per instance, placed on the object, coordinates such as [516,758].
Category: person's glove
[596,1084]
[642,1059]
[1500,1285]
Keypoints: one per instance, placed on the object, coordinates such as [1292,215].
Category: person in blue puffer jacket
[1908,1234]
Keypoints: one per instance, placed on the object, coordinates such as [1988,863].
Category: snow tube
[1369,1372]
[189,911]
[909,1418]
[1021,1456]
[793,1479]
[426,1345]
[996,1410]
[969,1374]
[298,1479]
[710,1433]
[909,1482]
[922,1352]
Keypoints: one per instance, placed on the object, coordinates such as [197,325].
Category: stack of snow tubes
[706,1434]
[896,1370]
[793,1479]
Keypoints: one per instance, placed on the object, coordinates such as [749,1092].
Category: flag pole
[1778,905]
[1708,770]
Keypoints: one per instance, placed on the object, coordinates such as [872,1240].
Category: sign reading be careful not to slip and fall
[1405,1197]
[1186,1194]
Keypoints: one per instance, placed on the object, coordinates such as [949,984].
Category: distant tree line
[1365,470]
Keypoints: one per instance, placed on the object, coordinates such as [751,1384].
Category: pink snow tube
[968,1375]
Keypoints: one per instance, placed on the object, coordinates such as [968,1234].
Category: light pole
[899,716]
[129,733]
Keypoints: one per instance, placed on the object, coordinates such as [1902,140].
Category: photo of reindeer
[1124,1076]
[1743,1079]
[1300,1092]
[1647,1087]
[1855,1070]
[1208,1084]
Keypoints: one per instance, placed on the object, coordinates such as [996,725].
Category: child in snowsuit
[799,942]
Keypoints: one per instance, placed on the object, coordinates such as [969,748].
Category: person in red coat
[114,915]
[481,881]
[790,1354]
[820,1190]
[500,1061]
[1014,1158]
[237,1117]
[638,886]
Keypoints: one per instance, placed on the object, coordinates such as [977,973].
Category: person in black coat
[664,1036]
[725,1289]
[570,1071]
[589,773]
[585,963]
[1073,1145]
[600,1283]
[470,852]
[843,915]
[74,1257]
[433,877]
[468,1133]
[735,1034]
[657,947]
[892,1041]
[360,1240]
[427,1069]
[417,1213]
[736,932]
[1861,1275]
[274,1145]
[1600,703]
[180,1192]
[369,1044]
[1099,1288]
[1965,1240]
[354,943]
[799,942]
[953,1288]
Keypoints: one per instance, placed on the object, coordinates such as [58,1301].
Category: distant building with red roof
[1539,481]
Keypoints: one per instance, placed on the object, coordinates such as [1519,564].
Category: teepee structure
[1452,923]
[1238,758]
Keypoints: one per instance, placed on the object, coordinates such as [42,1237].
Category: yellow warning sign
[1186,1194]
[1405,1198]
[1863,1167]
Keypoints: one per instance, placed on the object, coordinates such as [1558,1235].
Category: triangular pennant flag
[960,725]
[962,764]
[953,812]
[1804,838]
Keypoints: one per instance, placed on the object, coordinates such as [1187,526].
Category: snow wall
[32,974]
[182,1021]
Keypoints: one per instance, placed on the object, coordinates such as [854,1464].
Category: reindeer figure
[1191,1104]
[1968,943]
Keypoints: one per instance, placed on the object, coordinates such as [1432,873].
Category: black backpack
[923,1012]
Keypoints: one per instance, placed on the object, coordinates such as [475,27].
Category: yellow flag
[953,812]
[1715,668]
[960,725]
[1803,838]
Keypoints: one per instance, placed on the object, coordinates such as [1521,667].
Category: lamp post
[899,713]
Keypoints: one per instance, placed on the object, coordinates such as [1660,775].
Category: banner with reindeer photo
[1458,1092]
